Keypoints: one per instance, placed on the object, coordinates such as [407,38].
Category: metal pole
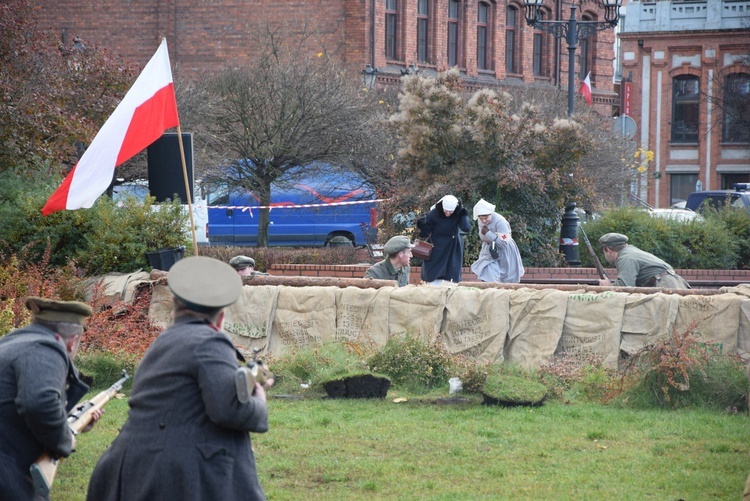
[572,42]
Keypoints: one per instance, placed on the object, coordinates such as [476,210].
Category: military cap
[50,310]
[613,239]
[204,283]
[397,244]
[240,262]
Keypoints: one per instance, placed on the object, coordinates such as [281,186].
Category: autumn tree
[283,116]
[53,96]
[490,144]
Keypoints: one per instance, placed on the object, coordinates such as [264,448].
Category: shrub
[22,277]
[738,223]
[117,327]
[587,379]
[682,370]
[119,235]
[102,368]
[102,239]
[414,363]
[705,244]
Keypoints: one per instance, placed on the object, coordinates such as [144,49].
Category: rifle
[246,377]
[45,467]
[597,263]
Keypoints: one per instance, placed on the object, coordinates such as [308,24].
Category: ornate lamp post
[571,31]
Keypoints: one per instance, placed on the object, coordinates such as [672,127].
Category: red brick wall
[208,35]
[697,278]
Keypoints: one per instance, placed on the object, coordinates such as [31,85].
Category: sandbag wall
[522,325]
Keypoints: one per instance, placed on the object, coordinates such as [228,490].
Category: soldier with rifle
[186,436]
[637,268]
[39,385]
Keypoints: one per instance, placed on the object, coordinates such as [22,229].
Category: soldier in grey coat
[39,385]
[186,436]
[637,268]
[396,264]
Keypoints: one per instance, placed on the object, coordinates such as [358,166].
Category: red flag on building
[147,110]
[585,89]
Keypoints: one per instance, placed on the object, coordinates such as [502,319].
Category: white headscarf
[449,202]
[483,208]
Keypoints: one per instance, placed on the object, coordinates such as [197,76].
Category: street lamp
[571,31]
[369,76]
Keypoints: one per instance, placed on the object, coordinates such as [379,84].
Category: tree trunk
[264,214]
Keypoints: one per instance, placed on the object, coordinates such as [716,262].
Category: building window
[586,54]
[423,31]
[541,68]
[453,32]
[391,26]
[727,180]
[685,109]
[484,36]
[680,186]
[511,37]
[736,108]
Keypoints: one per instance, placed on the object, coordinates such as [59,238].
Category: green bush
[682,370]
[102,369]
[737,221]
[102,239]
[705,244]
[119,235]
[414,363]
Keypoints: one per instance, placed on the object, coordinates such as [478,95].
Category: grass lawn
[343,449]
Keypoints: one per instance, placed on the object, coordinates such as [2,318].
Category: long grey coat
[186,437]
[508,267]
[38,386]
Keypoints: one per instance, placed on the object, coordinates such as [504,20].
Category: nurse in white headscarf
[499,259]
[443,226]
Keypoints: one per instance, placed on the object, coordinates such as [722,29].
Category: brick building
[688,62]
[488,40]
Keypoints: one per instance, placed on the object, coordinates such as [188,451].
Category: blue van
[309,212]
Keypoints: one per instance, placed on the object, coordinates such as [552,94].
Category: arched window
[391,29]
[423,32]
[736,108]
[685,108]
[511,39]
[541,49]
[586,53]
[454,12]
[484,36]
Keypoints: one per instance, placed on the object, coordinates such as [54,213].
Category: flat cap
[50,310]
[239,262]
[397,244]
[204,283]
[613,239]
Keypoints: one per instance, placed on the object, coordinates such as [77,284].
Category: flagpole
[187,190]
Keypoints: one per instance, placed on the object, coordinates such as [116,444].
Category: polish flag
[147,110]
[585,89]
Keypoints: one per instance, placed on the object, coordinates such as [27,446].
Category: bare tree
[284,116]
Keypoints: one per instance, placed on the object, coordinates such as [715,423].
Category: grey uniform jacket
[38,386]
[385,271]
[638,268]
[186,436]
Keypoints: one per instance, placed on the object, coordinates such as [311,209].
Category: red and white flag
[147,110]
[585,89]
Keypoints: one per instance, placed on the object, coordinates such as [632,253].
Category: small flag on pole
[147,110]
[585,89]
